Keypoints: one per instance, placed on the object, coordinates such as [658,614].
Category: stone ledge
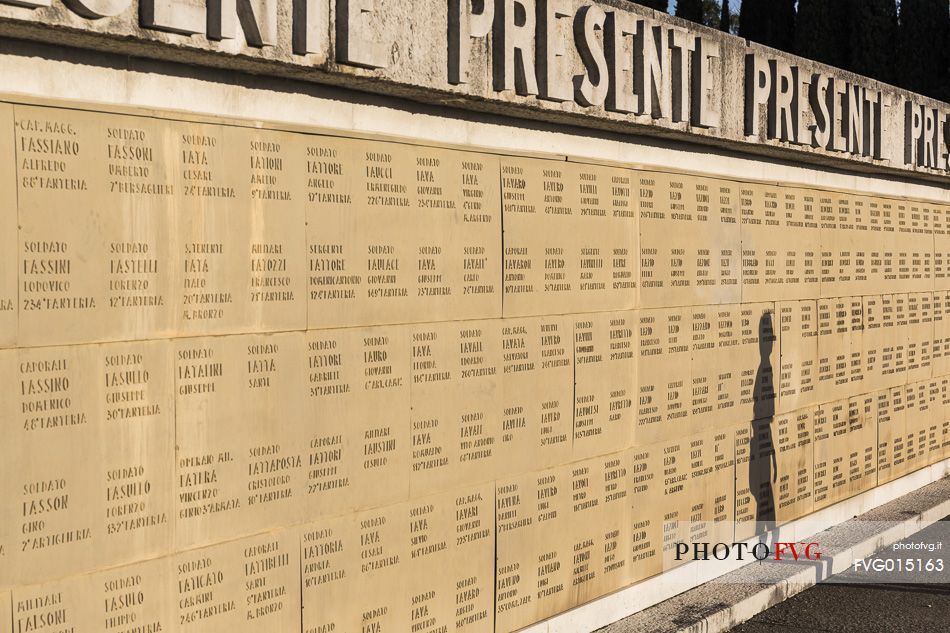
[712,608]
[729,596]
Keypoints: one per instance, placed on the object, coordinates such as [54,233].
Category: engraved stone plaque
[605,365]
[356,436]
[746,503]
[943,419]
[935,421]
[536,389]
[711,484]
[762,214]
[940,221]
[861,444]
[329,565]
[449,569]
[137,595]
[920,335]
[399,233]
[702,265]
[757,357]
[792,435]
[61,195]
[874,242]
[137,443]
[875,341]
[58,513]
[457,427]
[921,246]
[599,526]
[458,260]
[664,374]
[674,511]
[889,429]
[533,572]
[861,282]
[277,262]
[797,377]
[541,206]
[644,464]
[940,348]
[605,239]
[830,449]
[250,584]
[240,247]
[450,565]
[729,365]
[240,468]
[706,365]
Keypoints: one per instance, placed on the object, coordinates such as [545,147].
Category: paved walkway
[907,605]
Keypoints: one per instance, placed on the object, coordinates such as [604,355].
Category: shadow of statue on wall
[763,467]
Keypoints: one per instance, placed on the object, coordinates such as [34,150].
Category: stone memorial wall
[261,380]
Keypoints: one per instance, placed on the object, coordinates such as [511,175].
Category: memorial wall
[270,380]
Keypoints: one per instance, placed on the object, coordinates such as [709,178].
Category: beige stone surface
[711,485]
[136,441]
[606,237]
[940,217]
[533,573]
[645,465]
[426,562]
[862,440]
[798,334]
[890,428]
[663,367]
[678,495]
[605,374]
[6,612]
[940,349]
[61,196]
[761,210]
[249,584]
[8,533]
[701,266]
[541,209]
[240,468]
[400,233]
[792,433]
[727,366]
[450,566]
[134,595]
[357,430]
[457,426]
[9,227]
[706,364]
[830,442]
[369,384]
[55,504]
[537,383]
